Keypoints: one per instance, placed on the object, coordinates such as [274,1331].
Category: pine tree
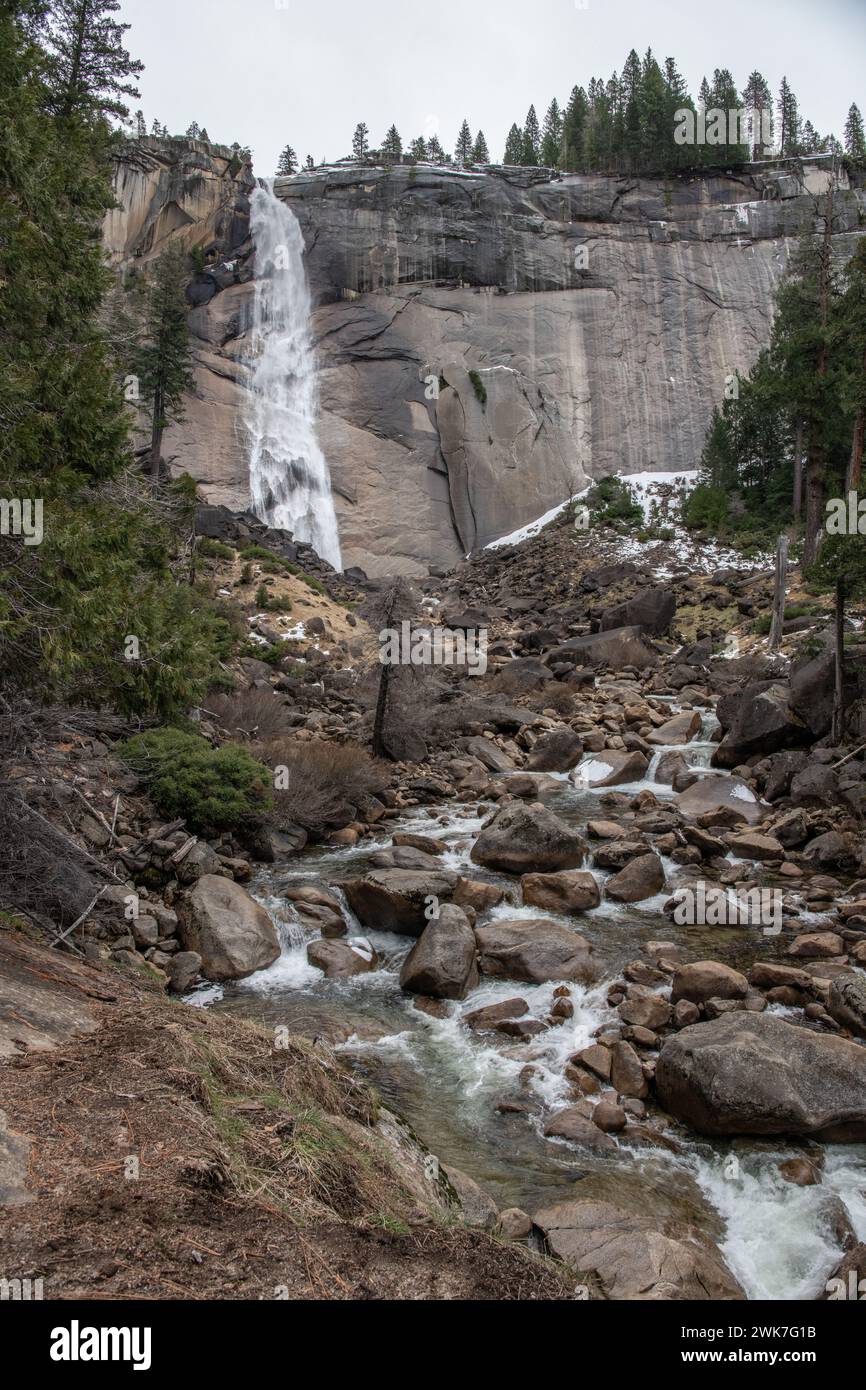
[392,145]
[855,142]
[656,142]
[531,139]
[309,162]
[463,148]
[480,152]
[92,67]
[724,97]
[551,135]
[418,148]
[140,126]
[810,140]
[789,120]
[162,360]
[514,146]
[204,135]
[574,120]
[288,163]
[631,106]
[360,141]
[193,132]
[677,99]
[156,129]
[758,102]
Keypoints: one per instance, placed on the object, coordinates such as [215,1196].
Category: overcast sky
[303,72]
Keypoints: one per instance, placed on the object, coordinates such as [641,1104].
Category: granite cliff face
[487,343]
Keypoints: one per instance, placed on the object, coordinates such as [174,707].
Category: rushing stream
[781,1241]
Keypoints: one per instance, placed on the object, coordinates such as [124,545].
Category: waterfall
[290,486]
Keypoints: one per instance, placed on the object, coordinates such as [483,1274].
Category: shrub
[214,789]
[254,715]
[325,782]
[478,387]
[214,550]
[611,500]
[272,603]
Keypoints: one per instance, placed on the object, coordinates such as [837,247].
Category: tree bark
[381,713]
[779,594]
[156,441]
[839,664]
[798,471]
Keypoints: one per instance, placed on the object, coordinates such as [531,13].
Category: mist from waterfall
[290,486]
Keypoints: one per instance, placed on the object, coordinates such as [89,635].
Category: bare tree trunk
[814,503]
[797,504]
[381,713]
[156,438]
[779,594]
[839,673]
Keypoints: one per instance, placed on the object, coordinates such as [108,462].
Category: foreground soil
[152,1150]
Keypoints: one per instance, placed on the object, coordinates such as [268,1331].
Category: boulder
[488,1018]
[814,784]
[441,965]
[341,960]
[847,1004]
[536,950]
[477,1207]
[811,693]
[754,846]
[614,648]
[641,878]
[183,969]
[632,1259]
[570,1123]
[571,891]
[611,768]
[707,979]
[681,729]
[232,933]
[626,1072]
[556,751]
[398,899]
[523,839]
[652,610]
[753,1073]
[726,794]
[757,721]
[830,850]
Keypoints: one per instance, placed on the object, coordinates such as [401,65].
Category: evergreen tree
[514,146]
[758,102]
[573,123]
[360,141]
[309,162]
[193,132]
[724,97]
[810,140]
[849,338]
[156,129]
[392,145]
[288,162]
[551,135]
[140,126]
[162,359]
[631,85]
[204,135]
[463,148]
[480,152]
[677,99]
[531,139]
[92,69]
[656,135]
[788,120]
[418,148]
[855,142]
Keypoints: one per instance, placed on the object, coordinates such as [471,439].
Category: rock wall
[490,342]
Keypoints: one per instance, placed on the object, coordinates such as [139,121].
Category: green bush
[611,500]
[478,387]
[214,789]
[214,550]
[272,603]
[706,506]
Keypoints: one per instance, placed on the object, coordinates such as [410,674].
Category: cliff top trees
[435,152]
[92,67]
[855,141]
[392,145]
[480,152]
[288,162]
[463,148]
[418,148]
[360,141]
[551,135]
[758,101]
[531,139]
[514,146]
[789,120]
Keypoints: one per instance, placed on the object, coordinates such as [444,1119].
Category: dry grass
[254,715]
[325,781]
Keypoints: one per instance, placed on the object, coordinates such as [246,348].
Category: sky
[268,73]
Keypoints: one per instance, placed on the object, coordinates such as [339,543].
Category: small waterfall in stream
[290,486]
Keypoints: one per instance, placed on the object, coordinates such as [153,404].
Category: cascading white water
[290,486]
